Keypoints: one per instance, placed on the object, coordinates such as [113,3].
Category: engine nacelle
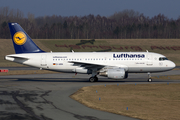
[115,73]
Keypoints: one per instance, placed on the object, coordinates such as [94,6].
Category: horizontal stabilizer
[12,58]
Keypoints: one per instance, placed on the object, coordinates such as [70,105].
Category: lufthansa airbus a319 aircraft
[114,65]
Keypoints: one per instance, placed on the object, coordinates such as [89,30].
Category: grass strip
[144,101]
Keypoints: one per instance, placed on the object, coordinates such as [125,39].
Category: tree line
[126,24]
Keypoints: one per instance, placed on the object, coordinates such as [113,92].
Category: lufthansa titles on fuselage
[128,55]
[59,56]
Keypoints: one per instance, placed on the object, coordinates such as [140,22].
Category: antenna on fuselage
[147,51]
[72,51]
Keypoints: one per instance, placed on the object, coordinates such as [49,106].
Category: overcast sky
[170,8]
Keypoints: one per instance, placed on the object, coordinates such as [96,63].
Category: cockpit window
[162,58]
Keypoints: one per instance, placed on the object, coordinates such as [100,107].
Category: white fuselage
[132,62]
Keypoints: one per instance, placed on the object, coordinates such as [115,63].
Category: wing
[99,66]
[88,65]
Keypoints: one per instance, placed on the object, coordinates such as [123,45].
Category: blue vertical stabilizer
[21,41]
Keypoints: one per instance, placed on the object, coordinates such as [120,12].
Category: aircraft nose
[172,65]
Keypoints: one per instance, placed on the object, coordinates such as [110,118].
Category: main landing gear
[93,79]
[149,77]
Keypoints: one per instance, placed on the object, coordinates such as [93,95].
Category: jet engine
[115,73]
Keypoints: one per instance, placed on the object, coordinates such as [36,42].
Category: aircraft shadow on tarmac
[86,80]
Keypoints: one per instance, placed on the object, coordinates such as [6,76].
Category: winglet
[21,41]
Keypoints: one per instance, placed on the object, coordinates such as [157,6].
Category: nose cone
[172,65]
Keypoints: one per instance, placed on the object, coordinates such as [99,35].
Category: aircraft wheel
[96,79]
[149,80]
[92,79]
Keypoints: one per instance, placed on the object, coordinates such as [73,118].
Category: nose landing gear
[149,77]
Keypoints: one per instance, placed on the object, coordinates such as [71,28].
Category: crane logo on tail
[19,38]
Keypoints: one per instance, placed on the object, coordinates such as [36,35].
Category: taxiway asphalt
[46,96]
